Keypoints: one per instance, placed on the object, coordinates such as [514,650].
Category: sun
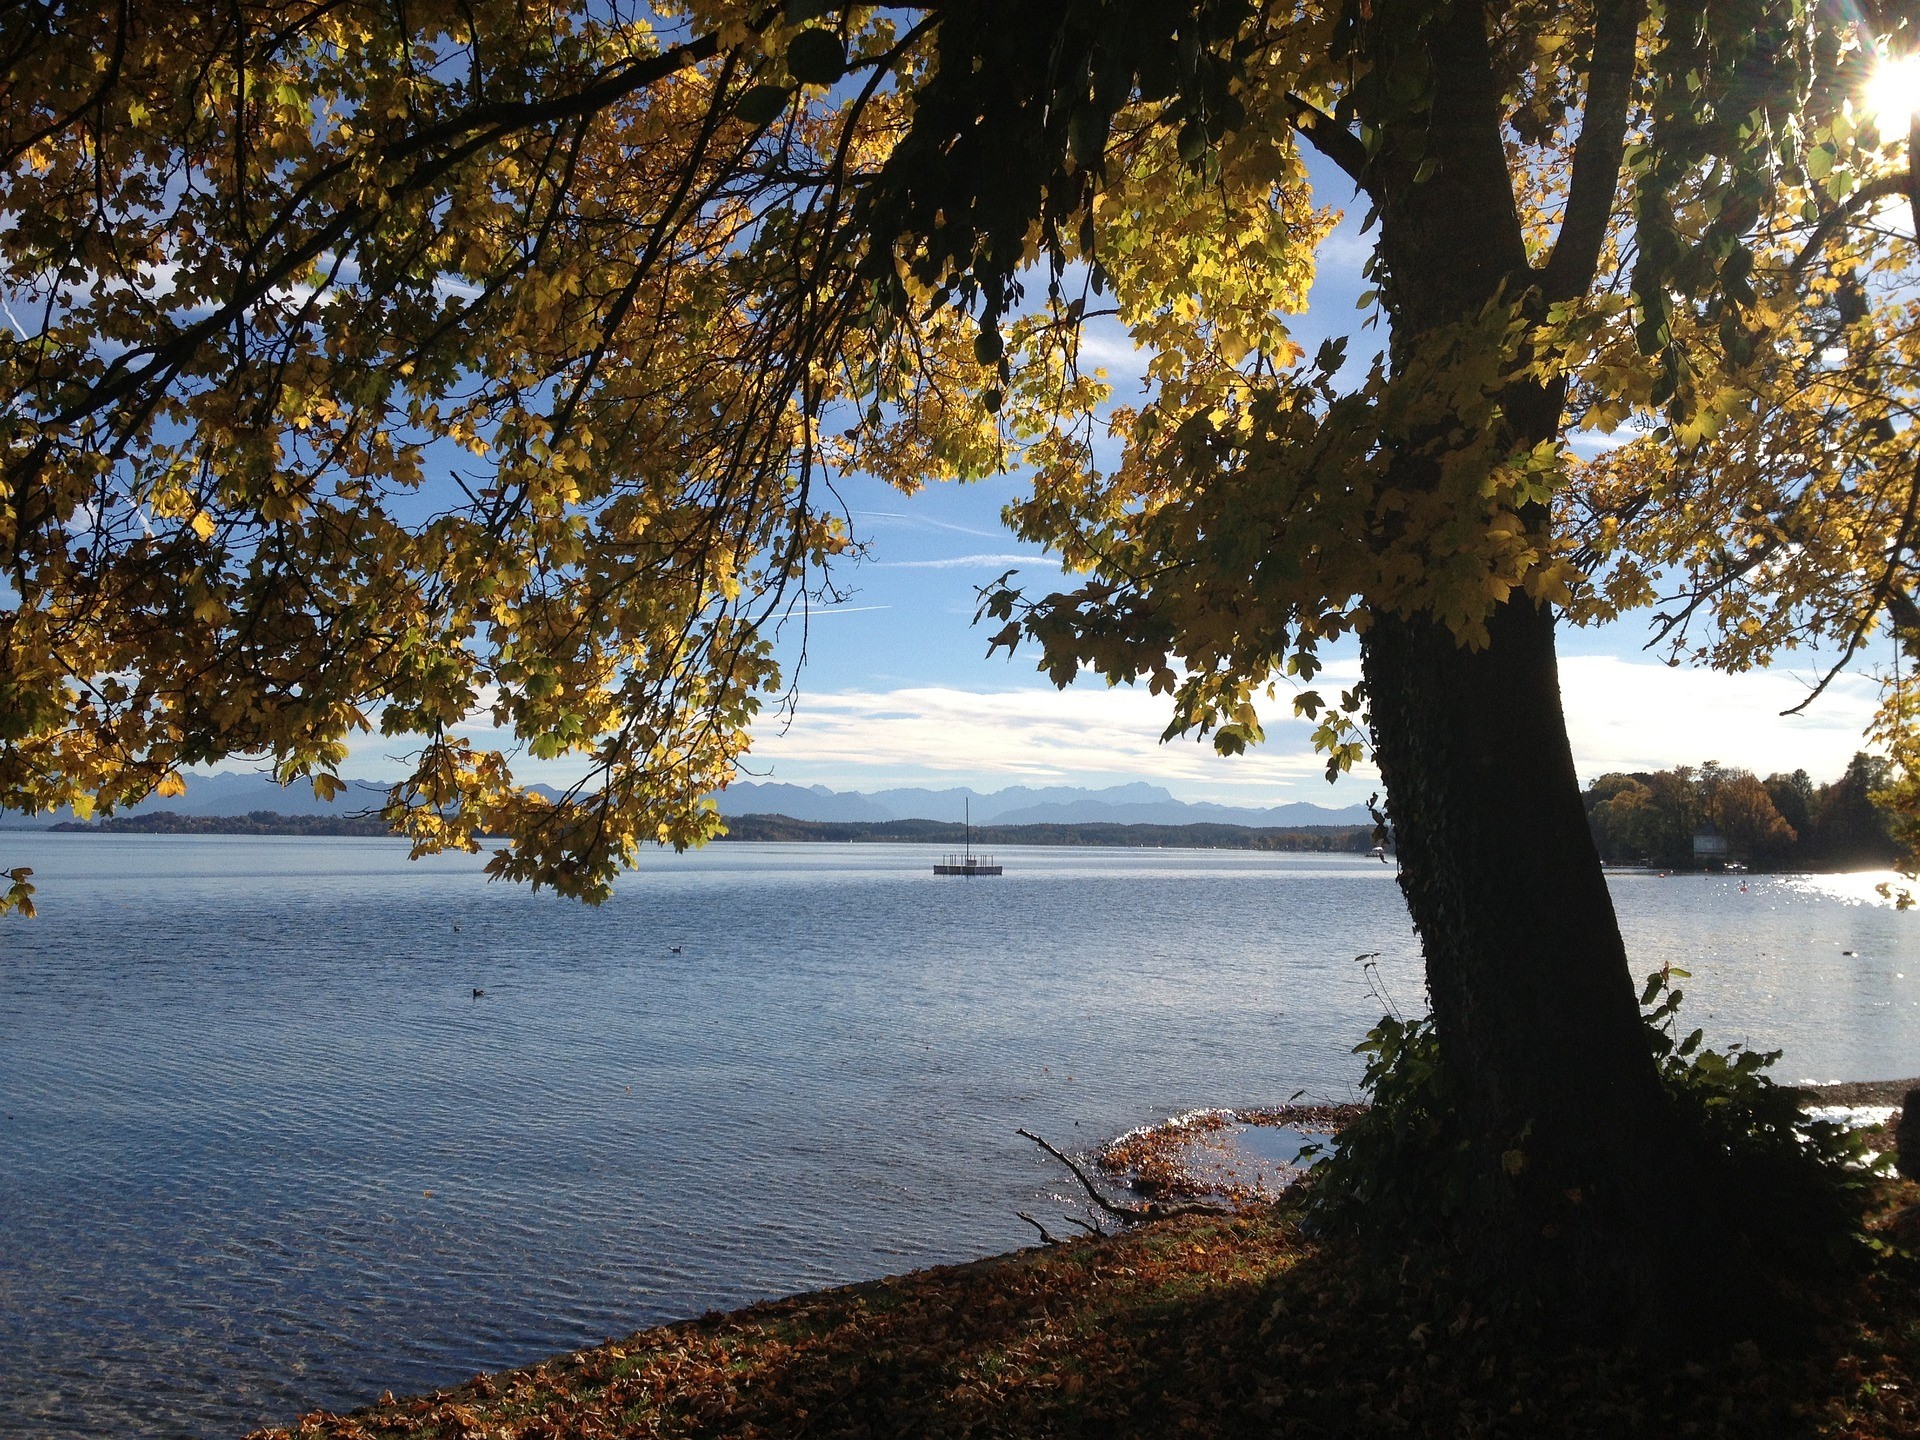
[1893,96]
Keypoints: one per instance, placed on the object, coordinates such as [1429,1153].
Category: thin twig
[1131,1214]
[1046,1238]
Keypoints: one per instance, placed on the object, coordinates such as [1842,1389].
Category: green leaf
[816,57]
[763,104]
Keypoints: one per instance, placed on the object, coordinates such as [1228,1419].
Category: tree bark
[1533,1002]
[1532,997]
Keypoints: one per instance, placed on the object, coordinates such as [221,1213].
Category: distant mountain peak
[1137,802]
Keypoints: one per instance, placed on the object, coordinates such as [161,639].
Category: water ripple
[262,1149]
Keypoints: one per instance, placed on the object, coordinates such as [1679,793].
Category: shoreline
[1200,836]
[780,829]
[1863,1092]
[1013,1342]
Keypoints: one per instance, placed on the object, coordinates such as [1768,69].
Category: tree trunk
[1532,998]
[1533,1003]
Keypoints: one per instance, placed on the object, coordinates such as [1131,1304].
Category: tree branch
[1882,592]
[1913,173]
[1330,138]
[1598,152]
[1131,1214]
[1047,1237]
[614,84]
[1881,189]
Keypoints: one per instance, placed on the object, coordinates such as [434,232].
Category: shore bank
[1864,1092]
[1199,1325]
[1186,1327]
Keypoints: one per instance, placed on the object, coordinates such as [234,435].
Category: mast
[967,801]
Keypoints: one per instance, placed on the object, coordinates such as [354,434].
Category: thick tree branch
[1883,188]
[1597,154]
[1913,174]
[1330,138]
[616,84]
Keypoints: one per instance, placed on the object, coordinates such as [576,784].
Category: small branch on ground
[1046,1236]
[1129,1214]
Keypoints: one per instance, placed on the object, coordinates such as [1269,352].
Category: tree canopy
[370,367]
[373,367]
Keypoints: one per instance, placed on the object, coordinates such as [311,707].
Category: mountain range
[1135,804]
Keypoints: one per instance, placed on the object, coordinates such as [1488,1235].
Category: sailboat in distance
[967,863]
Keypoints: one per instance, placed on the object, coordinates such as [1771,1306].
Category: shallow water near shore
[262,1149]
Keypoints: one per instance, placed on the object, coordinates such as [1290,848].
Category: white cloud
[1344,253]
[1083,735]
[1113,349]
[1635,715]
[1621,715]
[961,562]
[876,519]
[1589,443]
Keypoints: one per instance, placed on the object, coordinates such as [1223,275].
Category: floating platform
[966,862]
[967,865]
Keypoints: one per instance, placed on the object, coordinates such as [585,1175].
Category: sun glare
[1893,95]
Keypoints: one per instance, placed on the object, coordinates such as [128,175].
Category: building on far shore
[1710,847]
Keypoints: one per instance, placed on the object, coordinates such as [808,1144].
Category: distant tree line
[1331,839]
[1784,822]
[1340,839]
[256,822]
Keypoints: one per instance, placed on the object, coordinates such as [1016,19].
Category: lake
[263,1150]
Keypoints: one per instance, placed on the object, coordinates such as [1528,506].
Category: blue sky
[897,689]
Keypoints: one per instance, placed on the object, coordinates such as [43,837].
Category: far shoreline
[783,829]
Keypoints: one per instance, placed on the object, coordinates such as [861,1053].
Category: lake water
[263,1150]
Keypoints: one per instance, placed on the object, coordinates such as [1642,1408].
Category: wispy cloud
[962,562]
[1589,443]
[1115,350]
[1342,255]
[1621,715]
[893,519]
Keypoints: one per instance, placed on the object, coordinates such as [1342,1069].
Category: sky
[897,689]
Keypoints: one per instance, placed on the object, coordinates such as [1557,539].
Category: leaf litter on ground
[1234,1325]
